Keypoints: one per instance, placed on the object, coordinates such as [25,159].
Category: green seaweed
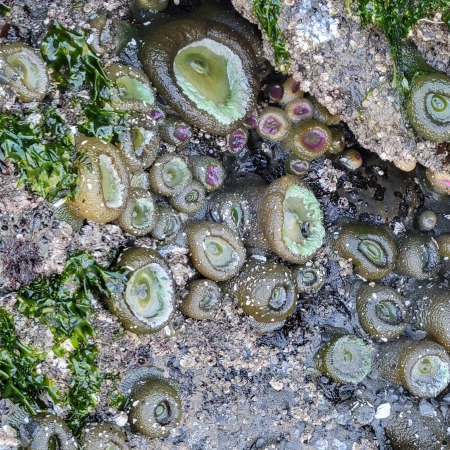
[19,377]
[43,153]
[64,304]
[4,9]
[267,12]
[396,18]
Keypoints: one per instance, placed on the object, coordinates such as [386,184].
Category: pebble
[383,411]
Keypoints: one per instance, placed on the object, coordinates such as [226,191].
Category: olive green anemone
[266,291]
[217,251]
[381,312]
[191,198]
[371,249]
[204,70]
[132,89]
[102,34]
[203,300]
[291,220]
[422,367]
[346,359]
[418,257]
[208,171]
[140,213]
[146,305]
[139,144]
[25,71]
[428,106]
[102,188]
[438,181]
[168,224]
[45,431]
[103,436]
[431,313]
[154,406]
[169,175]
[443,242]
[296,166]
[310,277]
[175,131]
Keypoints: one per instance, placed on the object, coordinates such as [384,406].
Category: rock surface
[349,70]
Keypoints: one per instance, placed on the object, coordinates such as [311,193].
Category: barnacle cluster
[252,238]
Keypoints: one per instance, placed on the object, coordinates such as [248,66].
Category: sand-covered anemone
[45,431]
[132,90]
[205,70]
[418,257]
[146,305]
[381,312]
[103,436]
[345,358]
[308,139]
[203,299]
[371,249]
[428,106]
[266,291]
[168,224]
[103,183]
[216,251]
[24,71]
[291,219]
[154,402]
[422,367]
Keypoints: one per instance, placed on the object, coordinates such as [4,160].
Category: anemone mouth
[373,251]
[388,312]
[149,294]
[271,125]
[163,413]
[142,214]
[301,109]
[278,298]
[438,107]
[220,253]
[299,166]
[302,230]
[112,185]
[209,301]
[429,375]
[175,173]
[315,140]
[212,76]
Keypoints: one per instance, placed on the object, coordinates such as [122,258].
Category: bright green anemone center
[112,186]
[175,173]
[27,70]
[211,75]
[162,412]
[373,251]
[219,253]
[430,374]
[438,106]
[303,231]
[149,294]
[142,213]
[132,89]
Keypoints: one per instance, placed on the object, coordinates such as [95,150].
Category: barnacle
[428,106]
[203,299]
[132,89]
[25,71]
[291,219]
[102,187]
[418,257]
[309,139]
[146,305]
[140,213]
[266,291]
[422,367]
[205,70]
[371,249]
[216,250]
[381,312]
[169,174]
[345,358]
[154,402]
[103,436]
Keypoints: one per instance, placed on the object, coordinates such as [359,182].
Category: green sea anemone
[169,174]
[203,299]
